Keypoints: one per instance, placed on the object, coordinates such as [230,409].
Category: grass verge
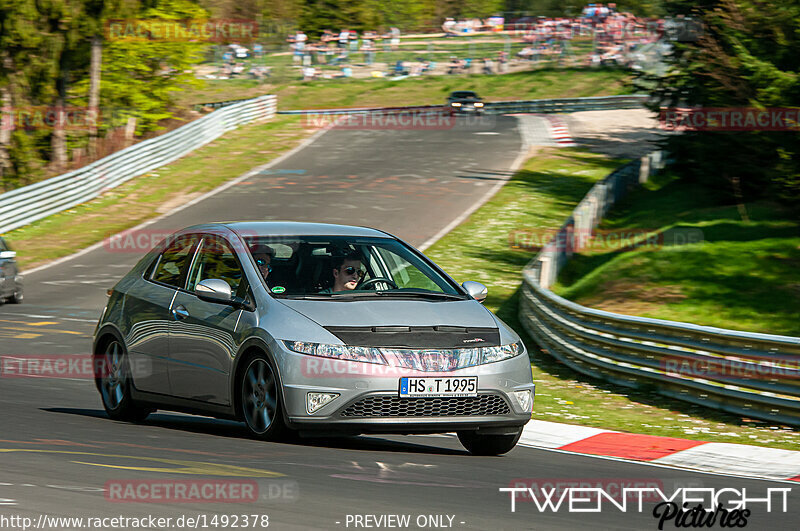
[708,267]
[156,192]
[540,196]
[429,90]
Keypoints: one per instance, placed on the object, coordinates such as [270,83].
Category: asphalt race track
[61,456]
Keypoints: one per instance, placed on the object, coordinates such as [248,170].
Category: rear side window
[173,261]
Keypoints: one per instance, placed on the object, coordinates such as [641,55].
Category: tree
[25,70]
[748,55]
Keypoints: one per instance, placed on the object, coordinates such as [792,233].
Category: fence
[30,203]
[556,105]
[755,375]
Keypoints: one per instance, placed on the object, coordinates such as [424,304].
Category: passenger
[263,255]
[347,272]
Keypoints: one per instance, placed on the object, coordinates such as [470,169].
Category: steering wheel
[369,284]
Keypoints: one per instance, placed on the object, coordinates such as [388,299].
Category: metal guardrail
[30,203]
[750,374]
[558,105]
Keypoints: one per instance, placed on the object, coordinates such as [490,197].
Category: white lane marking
[486,133]
[193,202]
[7,501]
[50,317]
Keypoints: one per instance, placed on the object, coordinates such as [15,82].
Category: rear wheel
[488,444]
[115,385]
[261,402]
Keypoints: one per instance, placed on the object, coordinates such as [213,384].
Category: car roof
[292,228]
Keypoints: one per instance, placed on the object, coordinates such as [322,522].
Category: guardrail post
[545,271]
[644,169]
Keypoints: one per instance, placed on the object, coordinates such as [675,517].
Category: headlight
[339,352]
[456,104]
[478,104]
[492,354]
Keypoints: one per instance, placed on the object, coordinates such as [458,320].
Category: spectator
[368,47]
[449,27]
[488,65]
[400,69]
[455,66]
[502,62]
[395,33]
[344,37]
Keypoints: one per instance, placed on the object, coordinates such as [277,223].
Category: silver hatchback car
[310,328]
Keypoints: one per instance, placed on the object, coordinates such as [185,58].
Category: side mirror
[476,290]
[7,255]
[214,290]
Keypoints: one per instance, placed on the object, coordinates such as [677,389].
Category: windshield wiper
[399,294]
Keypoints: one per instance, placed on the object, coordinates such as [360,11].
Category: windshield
[336,267]
[465,95]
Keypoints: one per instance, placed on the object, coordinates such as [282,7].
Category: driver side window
[215,260]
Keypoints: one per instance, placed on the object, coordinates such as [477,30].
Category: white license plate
[445,386]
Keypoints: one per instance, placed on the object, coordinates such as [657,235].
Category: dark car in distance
[465,101]
[10,279]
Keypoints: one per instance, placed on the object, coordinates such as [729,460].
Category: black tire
[262,407]
[488,444]
[114,383]
[17,296]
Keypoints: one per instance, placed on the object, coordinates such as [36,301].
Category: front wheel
[261,404]
[488,444]
[115,385]
[16,298]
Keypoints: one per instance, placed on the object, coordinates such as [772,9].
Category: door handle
[180,312]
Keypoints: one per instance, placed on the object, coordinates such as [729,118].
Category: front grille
[394,406]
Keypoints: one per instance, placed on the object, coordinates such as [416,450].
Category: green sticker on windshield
[278,289]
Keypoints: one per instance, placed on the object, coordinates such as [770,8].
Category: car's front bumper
[369,399]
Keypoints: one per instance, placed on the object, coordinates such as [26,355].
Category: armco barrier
[557,105]
[30,203]
[750,374]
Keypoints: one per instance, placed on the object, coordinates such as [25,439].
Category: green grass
[732,278]
[540,196]
[161,190]
[326,93]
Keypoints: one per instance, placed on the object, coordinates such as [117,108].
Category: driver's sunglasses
[261,263]
[350,270]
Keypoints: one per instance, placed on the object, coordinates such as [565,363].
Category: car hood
[362,313]
[411,324]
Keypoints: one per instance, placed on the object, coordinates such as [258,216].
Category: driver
[347,272]
[263,255]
